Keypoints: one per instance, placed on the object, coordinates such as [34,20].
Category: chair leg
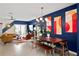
[50,51]
[45,52]
[63,52]
[53,52]
[68,53]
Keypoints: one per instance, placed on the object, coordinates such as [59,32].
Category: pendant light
[41,18]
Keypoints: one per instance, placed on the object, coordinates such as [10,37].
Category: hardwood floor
[21,49]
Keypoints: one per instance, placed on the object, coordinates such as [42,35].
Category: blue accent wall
[25,22]
[70,37]
[21,22]
[78,31]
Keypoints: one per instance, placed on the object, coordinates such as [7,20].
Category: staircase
[17,22]
[6,28]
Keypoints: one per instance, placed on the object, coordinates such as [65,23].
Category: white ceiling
[29,11]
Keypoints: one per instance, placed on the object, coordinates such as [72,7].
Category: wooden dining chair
[62,47]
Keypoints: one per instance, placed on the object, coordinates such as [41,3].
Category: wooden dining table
[48,43]
[50,39]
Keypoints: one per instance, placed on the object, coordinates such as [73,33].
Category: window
[20,29]
[31,27]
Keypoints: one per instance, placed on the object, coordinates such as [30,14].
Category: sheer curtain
[21,29]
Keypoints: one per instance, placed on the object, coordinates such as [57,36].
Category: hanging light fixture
[41,18]
[42,11]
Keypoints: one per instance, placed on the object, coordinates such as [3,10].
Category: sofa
[5,38]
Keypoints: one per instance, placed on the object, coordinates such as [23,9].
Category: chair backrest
[28,36]
[63,43]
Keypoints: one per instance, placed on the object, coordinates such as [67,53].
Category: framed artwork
[48,23]
[58,25]
[71,21]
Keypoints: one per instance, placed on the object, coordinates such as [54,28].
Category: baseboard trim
[73,52]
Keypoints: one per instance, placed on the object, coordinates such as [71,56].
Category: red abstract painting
[71,21]
[48,23]
[58,25]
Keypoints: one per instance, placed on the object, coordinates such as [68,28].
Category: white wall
[27,11]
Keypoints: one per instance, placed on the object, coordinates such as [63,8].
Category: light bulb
[41,18]
[46,19]
[37,20]
[8,25]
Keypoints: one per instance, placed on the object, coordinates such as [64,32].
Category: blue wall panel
[70,37]
[21,22]
[25,22]
[78,31]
